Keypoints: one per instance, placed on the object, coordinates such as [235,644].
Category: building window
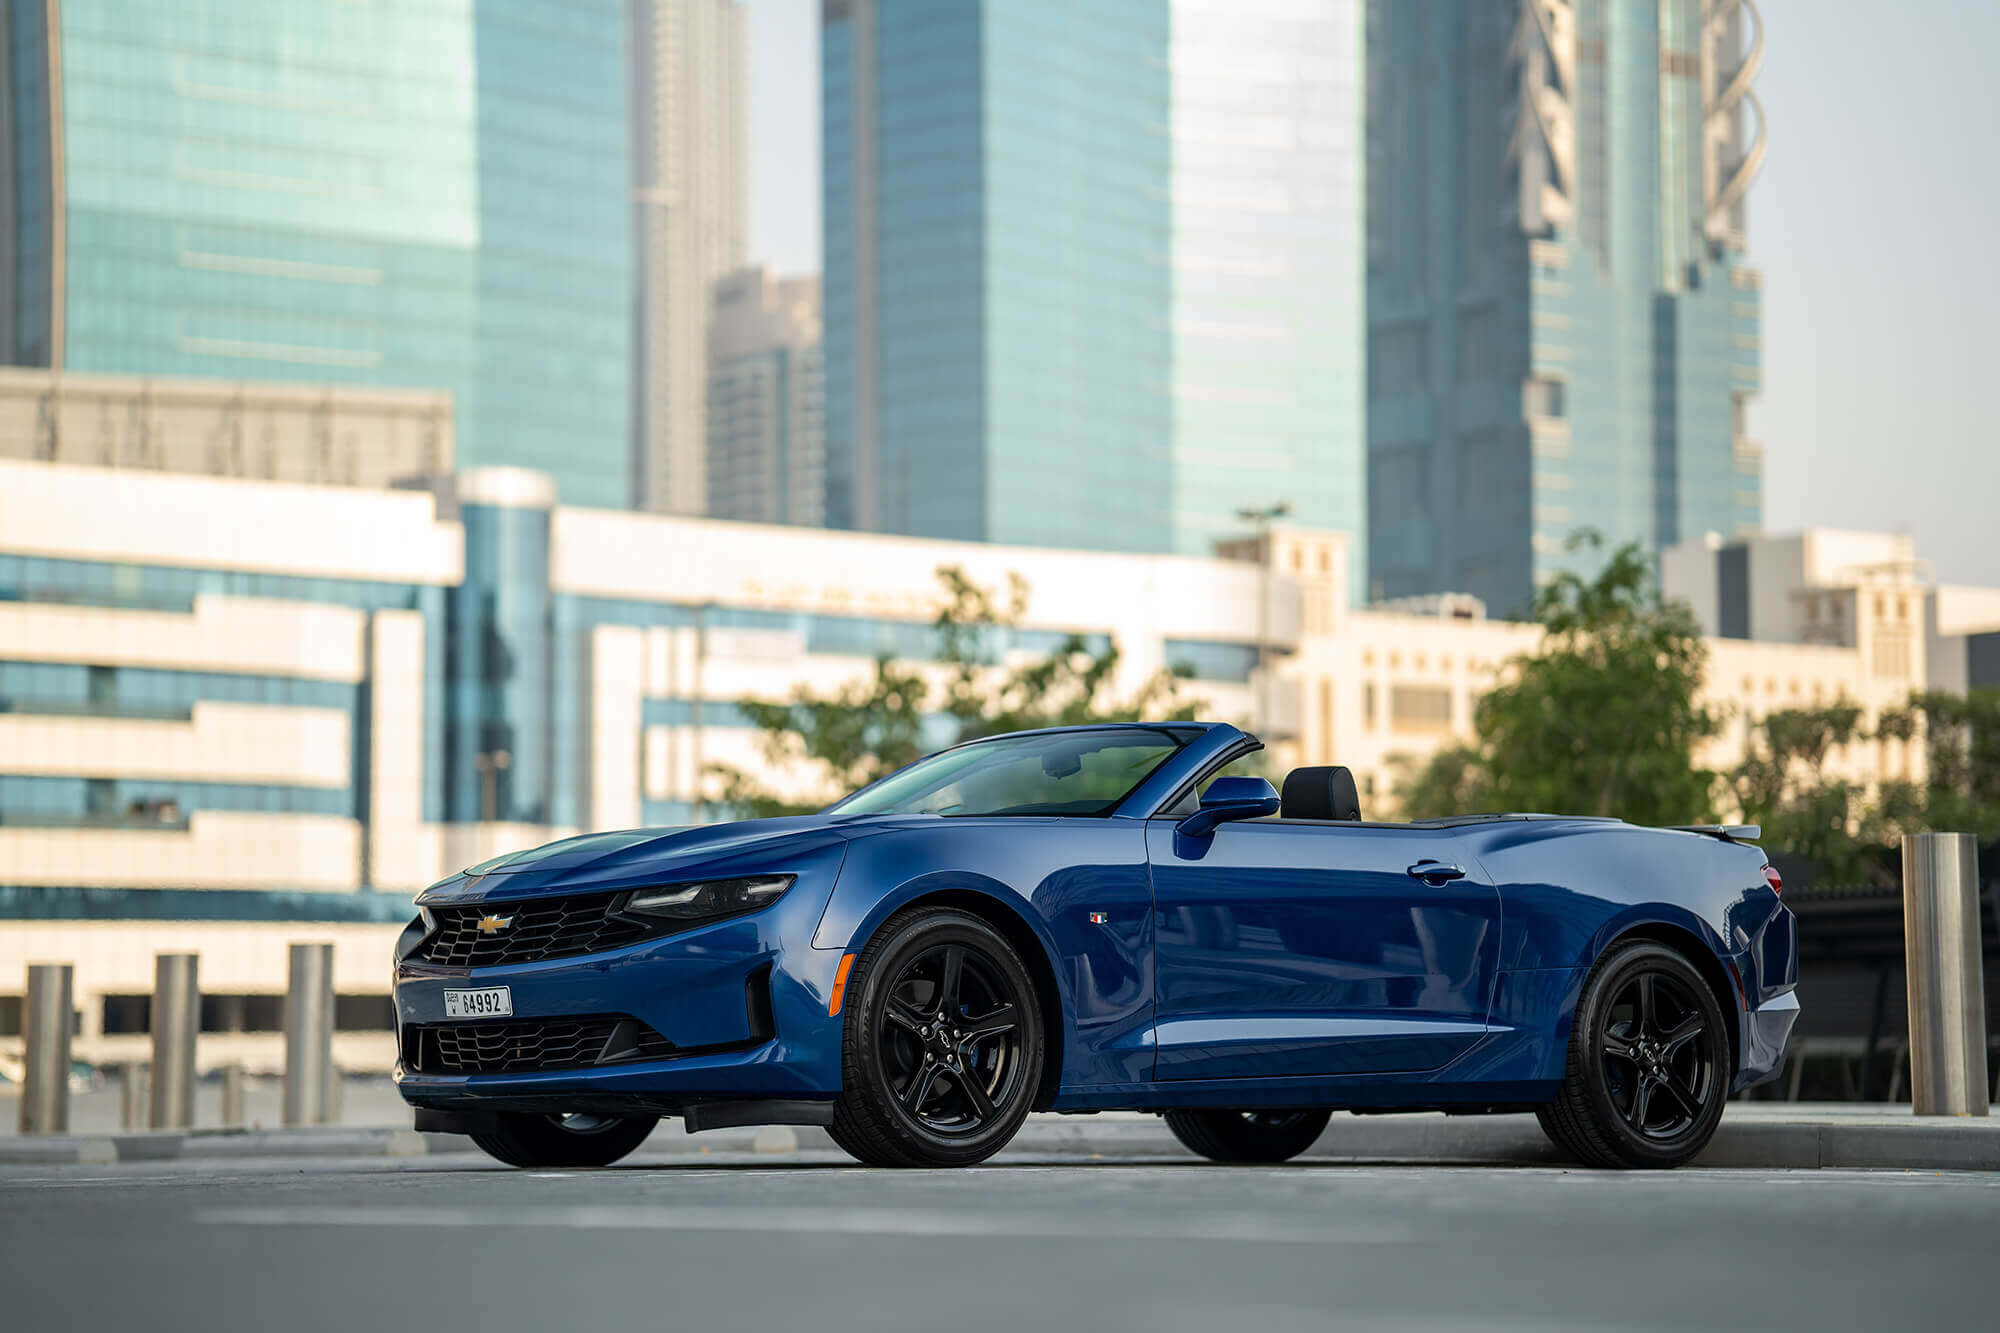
[127,1014]
[242,1013]
[1420,708]
[1545,397]
[364,1013]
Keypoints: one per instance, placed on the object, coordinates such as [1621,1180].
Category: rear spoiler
[1727,832]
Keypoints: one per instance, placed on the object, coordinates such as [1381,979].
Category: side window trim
[1183,802]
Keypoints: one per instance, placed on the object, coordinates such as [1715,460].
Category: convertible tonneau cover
[1728,832]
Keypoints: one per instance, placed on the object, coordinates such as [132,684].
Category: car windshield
[1046,773]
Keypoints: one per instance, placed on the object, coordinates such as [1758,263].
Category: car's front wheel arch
[1033,952]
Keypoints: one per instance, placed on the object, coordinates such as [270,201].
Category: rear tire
[1248,1136]
[551,1140]
[1649,1064]
[941,1046]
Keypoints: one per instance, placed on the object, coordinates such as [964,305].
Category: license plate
[494,1002]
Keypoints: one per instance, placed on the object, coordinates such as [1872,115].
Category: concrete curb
[1760,1142]
[222,1144]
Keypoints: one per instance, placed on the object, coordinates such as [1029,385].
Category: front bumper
[743,1003]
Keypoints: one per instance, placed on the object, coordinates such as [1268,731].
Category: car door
[1300,948]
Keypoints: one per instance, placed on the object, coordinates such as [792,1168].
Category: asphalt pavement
[1036,1239]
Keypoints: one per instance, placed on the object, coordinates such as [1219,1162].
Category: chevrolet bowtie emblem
[493,925]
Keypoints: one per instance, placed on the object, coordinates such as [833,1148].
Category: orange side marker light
[839,986]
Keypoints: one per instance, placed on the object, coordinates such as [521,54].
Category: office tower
[998,289]
[766,420]
[1563,326]
[384,195]
[1268,275]
[689,156]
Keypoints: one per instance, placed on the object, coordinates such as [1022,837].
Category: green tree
[878,724]
[1783,784]
[1848,830]
[1603,718]
[1961,790]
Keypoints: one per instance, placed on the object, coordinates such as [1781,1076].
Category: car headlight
[710,899]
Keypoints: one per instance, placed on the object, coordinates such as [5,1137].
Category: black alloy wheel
[1248,1136]
[941,1043]
[563,1140]
[1649,1064]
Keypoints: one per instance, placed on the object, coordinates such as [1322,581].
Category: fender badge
[1099,918]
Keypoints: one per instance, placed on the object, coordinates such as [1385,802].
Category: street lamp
[490,764]
[1261,518]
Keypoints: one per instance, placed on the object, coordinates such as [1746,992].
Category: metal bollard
[1947,991]
[309,1034]
[232,1094]
[45,1097]
[176,1016]
[134,1080]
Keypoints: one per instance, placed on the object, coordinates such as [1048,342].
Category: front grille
[537,929]
[531,1046]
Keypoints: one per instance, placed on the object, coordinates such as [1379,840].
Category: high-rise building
[1563,326]
[766,418]
[1268,277]
[431,196]
[1094,273]
[998,289]
[689,189]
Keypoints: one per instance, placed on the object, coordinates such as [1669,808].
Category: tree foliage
[880,723]
[1961,793]
[1603,718]
[1849,830]
[1784,785]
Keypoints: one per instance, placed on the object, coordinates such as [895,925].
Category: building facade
[1268,192]
[428,196]
[1563,324]
[766,401]
[998,290]
[320,434]
[1094,274]
[690,189]
[1869,591]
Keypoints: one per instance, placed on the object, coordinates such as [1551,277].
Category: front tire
[563,1140]
[941,1047]
[1649,1064]
[1248,1136]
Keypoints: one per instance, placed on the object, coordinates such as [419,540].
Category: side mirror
[1227,799]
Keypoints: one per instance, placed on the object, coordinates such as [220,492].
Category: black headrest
[1320,793]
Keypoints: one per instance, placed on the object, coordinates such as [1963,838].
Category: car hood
[634,857]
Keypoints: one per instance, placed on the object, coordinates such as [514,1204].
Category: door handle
[1435,873]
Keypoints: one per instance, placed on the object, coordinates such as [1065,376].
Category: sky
[1876,223]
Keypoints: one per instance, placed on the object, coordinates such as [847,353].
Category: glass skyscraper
[998,289]
[428,193]
[1268,205]
[1562,325]
[1093,272]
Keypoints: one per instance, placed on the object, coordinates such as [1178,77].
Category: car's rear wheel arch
[1034,955]
[1690,946]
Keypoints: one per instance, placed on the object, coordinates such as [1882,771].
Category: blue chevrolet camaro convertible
[1095,918]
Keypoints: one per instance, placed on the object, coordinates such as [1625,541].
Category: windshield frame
[1182,736]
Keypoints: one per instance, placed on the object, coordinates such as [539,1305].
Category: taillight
[1775,880]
